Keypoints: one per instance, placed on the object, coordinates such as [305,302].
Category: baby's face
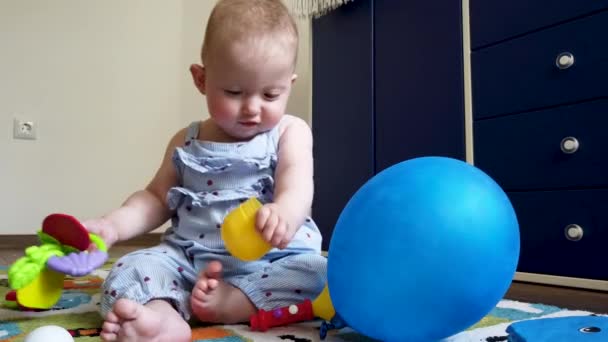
[247,87]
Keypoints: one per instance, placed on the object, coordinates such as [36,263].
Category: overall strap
[192,132]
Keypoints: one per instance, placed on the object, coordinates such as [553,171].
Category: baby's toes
[110,327]
[198,294]
[212,284]
[109,331]
[108,337]
[111,318]
[202,284]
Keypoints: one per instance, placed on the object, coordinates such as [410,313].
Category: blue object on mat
[571,329]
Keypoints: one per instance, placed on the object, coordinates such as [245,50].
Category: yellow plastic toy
[322,306]
[43,292]
[240,236]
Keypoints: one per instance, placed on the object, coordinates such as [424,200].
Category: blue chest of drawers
[539,72]
[389,85]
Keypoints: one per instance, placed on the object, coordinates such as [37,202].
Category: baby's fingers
[270,227]
[279,233]
[261,218]
[287,237]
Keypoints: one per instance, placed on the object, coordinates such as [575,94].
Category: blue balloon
[423,250]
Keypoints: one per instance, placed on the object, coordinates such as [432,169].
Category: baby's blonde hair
[242,20]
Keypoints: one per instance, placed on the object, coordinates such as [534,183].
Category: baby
[247,148]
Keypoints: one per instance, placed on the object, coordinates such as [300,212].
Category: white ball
[49,333]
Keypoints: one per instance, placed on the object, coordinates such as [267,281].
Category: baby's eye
[232,92]
[271,96]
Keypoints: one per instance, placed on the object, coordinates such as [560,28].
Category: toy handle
[264,320]
[98,242]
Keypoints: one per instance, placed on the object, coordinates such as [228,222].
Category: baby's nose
[251,108]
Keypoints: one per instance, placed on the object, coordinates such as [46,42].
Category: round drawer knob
[574,232]
[569,145]
[564,60]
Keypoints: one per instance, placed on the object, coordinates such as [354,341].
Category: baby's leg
[145,297]
[286,281]
[289,280]
[215,301]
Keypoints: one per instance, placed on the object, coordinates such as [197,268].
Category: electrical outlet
[23,129]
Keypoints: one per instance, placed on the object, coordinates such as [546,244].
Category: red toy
[265,320]
[307,310]
[67,230]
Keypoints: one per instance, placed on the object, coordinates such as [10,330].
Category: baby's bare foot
[216,301]
[157,321]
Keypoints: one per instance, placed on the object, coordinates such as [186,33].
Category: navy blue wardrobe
[387,87]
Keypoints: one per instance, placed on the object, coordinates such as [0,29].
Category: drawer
[544,218]
[494,20]
[524,151]
[522,74]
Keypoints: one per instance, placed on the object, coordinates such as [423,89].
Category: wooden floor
[570,298]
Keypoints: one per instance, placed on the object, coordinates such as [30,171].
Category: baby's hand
[275,225]
[104,228]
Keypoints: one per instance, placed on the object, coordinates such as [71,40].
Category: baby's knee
[128,268]
[302,270]
[306,263]
[286,281]
[142,276]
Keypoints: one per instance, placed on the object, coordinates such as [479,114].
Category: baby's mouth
[248,123]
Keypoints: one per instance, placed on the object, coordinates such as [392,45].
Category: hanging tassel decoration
[313,8]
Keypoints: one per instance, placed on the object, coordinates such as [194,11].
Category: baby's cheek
[272,116]
[222,105]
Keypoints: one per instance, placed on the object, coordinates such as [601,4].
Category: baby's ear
[294,77]
[198,76]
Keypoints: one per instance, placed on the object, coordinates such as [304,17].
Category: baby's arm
[294,175]
[144,210]
[293,184]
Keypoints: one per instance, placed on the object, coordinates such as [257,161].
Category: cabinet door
[493,21]
[563,233]
[557,148]
[387,86]
[523,74]
[419,101]
[342,109]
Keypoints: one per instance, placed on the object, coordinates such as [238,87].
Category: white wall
[300,102]
[107,83]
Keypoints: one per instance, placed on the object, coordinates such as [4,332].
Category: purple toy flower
[77,264]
